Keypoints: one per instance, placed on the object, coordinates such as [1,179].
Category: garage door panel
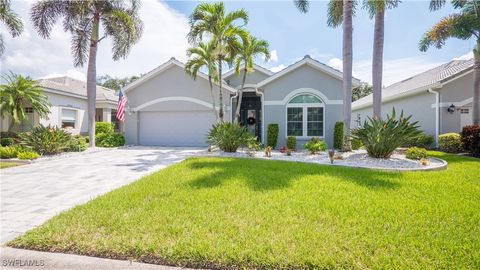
[182,128]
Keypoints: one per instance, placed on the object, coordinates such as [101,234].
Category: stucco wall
[252,78]
[303,80]
[418,105]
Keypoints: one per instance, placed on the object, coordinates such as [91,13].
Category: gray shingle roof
[428,78]
[78,87]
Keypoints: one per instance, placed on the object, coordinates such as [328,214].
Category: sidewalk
[13,258]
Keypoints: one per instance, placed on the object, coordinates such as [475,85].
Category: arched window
[305,116]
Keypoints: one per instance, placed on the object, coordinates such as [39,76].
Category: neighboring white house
[168,107]
[68,99]
[440,99]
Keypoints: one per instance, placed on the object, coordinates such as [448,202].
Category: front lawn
[225,212]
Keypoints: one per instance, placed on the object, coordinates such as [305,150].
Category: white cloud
[336,63]
[273,56]
[466,56]
[277,68]
[164,37]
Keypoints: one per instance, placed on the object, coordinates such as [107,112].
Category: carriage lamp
[451,109]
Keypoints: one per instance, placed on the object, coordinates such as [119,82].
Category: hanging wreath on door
[251,121]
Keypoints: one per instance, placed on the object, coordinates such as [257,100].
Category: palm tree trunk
[213,98]
[220,110]
[377,62]
[240,96]
[347,71]
[92,81]
[476,85]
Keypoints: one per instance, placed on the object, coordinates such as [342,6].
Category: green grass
[4,165]
[224,212]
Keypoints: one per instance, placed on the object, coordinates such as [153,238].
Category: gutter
[437,113]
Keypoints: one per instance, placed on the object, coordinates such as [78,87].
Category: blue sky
[290,33]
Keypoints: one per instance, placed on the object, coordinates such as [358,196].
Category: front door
[250,114]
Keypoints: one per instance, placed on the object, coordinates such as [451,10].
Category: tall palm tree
[84,20]
[376,9]
[202,57]
[210,21]
[463,25]
[251,47]
[18,93]
[11,20]
[341,13]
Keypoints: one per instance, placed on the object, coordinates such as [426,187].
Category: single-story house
[440,99]
[167,107]
[68,99]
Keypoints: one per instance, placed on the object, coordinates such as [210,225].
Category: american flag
[122,102]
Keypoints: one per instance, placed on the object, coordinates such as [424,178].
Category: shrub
[103,127]
[252,146]
[292,143]
[422,140]
[315,145]
[416,153]
[8,152]
[77,143]
[46,140]
[338,135]
[470,137]
[6,141]
[228,136]
[272,135]
[28,155]
[450,142]
[8,134]
[356,144]
[381,137]
[109,140]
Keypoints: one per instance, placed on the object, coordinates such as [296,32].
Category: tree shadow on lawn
[265,175]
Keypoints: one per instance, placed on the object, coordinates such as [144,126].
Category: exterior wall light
[451,109]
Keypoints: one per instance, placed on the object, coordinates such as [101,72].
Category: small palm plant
[18,93]
[381,137]
[11,20]
[84,20]
[200,57]
[251,47]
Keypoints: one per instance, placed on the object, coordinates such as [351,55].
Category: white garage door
[175,128]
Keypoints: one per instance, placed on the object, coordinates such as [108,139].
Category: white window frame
[305,107]
[76,117]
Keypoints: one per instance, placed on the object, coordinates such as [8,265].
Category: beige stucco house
[68,99]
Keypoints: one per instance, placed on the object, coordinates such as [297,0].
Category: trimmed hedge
[28,155]
[470,137]
[423,140]
[103,127]
[109,140]
[416,153]
[338,135]
[450,142]
[272,135]
[8,152]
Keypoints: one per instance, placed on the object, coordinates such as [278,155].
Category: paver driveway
[33,193]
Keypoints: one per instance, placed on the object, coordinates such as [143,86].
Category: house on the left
[68,99]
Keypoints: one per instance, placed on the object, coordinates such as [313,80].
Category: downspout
[437,113]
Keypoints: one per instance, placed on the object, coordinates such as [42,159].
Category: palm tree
[463,25]
[341,13]
[251,47]
[83,19]
[202,57]
[376,8]
[11,20]
[209,20]
[19,92]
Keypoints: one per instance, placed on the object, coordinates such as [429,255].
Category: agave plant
[381,137]
[228,136]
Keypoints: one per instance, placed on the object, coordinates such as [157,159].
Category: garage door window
[69,118]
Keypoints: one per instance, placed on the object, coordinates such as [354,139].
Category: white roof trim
[255,66]
[301,91]
[312,63]
[166,66]
[179,98]
[400,95]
